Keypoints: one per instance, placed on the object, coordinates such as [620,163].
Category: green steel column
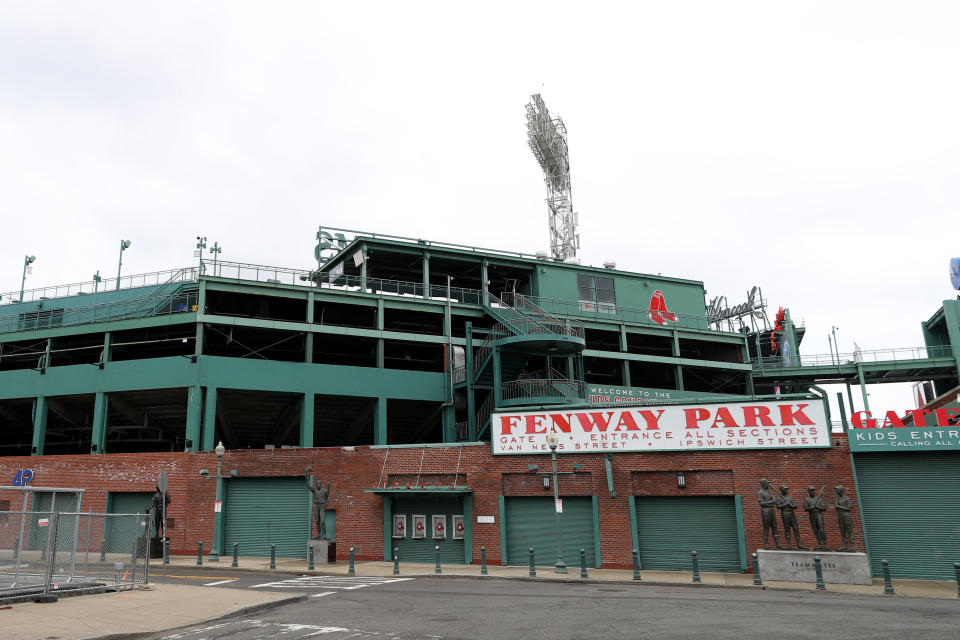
[201,309]
[46,353]
[308,346]
[850,400]
[107,341]
[448,420]
[210,420]
[863,387]
[380,328]
[363,268]
[194,416]
[679,376]
[387,528]
[426,275]
[380,423]
[626,372]
[951,320]
[497,390]
[484,279]
[467,529]
[676,344]
[843,414]
[306,420]
[98,439]
[40,408]
[468,369]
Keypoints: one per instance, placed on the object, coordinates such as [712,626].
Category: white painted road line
[325,593]
[213,584]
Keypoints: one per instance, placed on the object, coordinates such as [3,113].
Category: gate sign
[730,425]
[889,433]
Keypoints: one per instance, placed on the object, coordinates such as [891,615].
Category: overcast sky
[812,149]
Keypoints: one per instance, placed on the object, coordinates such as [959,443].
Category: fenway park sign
[742,425]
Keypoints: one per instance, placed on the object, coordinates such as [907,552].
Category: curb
[235,611]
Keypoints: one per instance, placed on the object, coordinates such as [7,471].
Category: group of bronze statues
[771,499]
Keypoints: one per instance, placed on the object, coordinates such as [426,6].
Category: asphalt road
[458,608]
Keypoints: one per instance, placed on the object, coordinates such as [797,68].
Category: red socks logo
[658,309]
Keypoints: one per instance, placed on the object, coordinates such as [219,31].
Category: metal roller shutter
[259,512]
[45,504]
[530,522]
[412,549]
[911,512]
[668,529]
[118,532]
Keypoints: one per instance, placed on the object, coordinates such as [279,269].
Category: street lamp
[836,349]
[218,505]
[215,249]
[124,245]
[553,441]
[96,285]
[27,260]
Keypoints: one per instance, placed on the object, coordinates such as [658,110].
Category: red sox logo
[419,526]
[459,527]
[439,526]
[658,309]
[400,526]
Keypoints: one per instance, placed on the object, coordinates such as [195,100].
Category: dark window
[41,319]
[585,288]
[605,290]
[597,294]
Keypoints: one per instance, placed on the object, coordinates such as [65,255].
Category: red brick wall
[360,514]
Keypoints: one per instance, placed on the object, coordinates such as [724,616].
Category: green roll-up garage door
[44,504]
[530,522]
[668,529]
[412,549]
[259,512]
[911,512]
[120,532]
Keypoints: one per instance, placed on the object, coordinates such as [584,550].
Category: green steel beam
[637,357]
[597,547]
[380,422]
[40,410]
[98,438]
[194,417]
[185,317]
[467,529]
[306,420]
[210,419]
[387,528]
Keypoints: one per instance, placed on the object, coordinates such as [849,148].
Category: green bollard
[483,561]
[819,569]
[696,567]
[273,556]
[887,585]
[351,571]
[310,566]
[583,564]
[956,572]
[636,564]
[437,551]
[236,548]
[533,567]
[757,580]
[200,553]
[166,551]
[396,563]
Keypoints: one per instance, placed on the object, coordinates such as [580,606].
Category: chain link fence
[50,551]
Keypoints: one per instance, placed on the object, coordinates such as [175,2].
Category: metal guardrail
[46,552]
[611,311]
[134,281]
[856,357]
[544,388]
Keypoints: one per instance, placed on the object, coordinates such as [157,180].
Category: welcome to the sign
[754,425]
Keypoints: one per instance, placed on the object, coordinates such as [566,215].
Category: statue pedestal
[324,551]
[156,548]
[798,566]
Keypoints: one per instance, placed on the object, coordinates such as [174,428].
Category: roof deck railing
[856,357]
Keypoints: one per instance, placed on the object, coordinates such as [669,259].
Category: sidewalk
[154,609]
[913,588]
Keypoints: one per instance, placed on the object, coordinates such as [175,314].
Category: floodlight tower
[547,137]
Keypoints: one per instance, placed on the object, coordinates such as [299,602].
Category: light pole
[218,505]
[124,245]
[201,245]
[553,441]
[27,260]
[836,349]
[215,249]
[96,285]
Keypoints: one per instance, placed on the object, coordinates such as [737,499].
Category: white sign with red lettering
[728,425]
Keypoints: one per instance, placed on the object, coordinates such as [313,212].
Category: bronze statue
[320,498]
[160,500]
[788,507]
[844,507]
[767,514]
[814,506]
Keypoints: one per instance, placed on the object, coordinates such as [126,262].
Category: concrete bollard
[166,551]
[636,564]
[583,564]
[273,556]
[396,563]
[887,585]
[757,580]
[436,550]
[533,567]
[236,549]
[351,570]
[483,561]
[819,569]
[200,553]
[310,565]
[696,567]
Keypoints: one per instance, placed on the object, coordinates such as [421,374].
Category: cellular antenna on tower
[547,137]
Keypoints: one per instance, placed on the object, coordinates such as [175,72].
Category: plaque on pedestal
[324,551]
[798,566]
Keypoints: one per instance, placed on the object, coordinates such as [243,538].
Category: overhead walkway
[859,367]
